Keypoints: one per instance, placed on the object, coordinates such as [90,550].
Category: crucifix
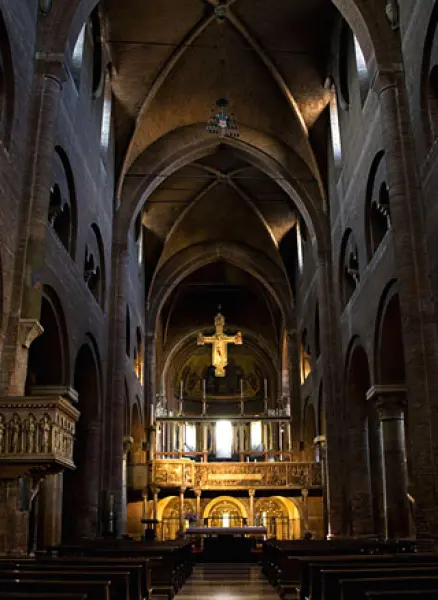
[219,342]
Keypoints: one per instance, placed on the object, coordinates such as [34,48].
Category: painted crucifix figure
[219,342]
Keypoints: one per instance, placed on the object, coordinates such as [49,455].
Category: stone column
[127,442]
[181,431]
[251,493]
[50,511]
[390,402]
[417,308]
[198,502]
[115,404]
[181,509]
[155,491]
[241,441]
[320,447]
[205,441]
[305,496]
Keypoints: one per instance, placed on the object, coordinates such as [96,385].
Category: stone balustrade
[36,435]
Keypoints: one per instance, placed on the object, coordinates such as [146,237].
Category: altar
[228,544]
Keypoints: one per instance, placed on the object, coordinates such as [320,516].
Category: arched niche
[349,273]
[53,343]
[138,355]
[358,439]
[94,265]
[62,214]
[389,349]
[81,492]
[377,209]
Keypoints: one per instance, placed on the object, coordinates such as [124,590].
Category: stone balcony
[184,473]
[37,433]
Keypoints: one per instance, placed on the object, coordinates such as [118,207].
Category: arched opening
[349,267]
[138,356]
[305,363]
[390,357]
[377,208]
[82,486]
[357,409]
[51,343]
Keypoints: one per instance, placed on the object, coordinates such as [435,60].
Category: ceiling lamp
[222,122]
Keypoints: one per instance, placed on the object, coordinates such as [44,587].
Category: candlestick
[152,414]
[241,387]
[204,389]
[181,385]
[265,382]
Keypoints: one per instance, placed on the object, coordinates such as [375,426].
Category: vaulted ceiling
[172,59]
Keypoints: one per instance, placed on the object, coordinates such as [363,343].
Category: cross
[219,342]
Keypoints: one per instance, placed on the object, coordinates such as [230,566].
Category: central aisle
[223,581]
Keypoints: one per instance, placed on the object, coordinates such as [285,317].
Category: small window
[335,129]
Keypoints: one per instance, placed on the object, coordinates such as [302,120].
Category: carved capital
[251,493]
[198,492]
[28,331]
[127,443]
[389,400]
[305,493]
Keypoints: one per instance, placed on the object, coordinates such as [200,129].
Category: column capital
[154,488]
[127,443]
[251,492]
[182,489]
[304,493]
[389,400]
[198,492]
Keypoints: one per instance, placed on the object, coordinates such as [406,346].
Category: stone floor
[227,581]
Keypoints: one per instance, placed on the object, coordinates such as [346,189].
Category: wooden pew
[330,579]
[39,596]
[403,595]
[95,590]
[120,589]
[356,589]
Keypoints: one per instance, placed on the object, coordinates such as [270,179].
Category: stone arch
[62,214]
[185,262]
[94,266]
[357,383]
[235,501]
[377,209]
[389,347]
[82,486]
[349,275]
[188,144]
[52,343]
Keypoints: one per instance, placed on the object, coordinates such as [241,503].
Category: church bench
[303,571]
[356,589]
[95,590]
[136,571]
[403,595]
[330,579]
[120,579]
[41,596]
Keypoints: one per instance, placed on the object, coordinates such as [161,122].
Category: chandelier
[221,121]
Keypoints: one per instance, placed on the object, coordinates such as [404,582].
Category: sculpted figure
[45,431]
[31,433]
[14,428]
[2,434]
